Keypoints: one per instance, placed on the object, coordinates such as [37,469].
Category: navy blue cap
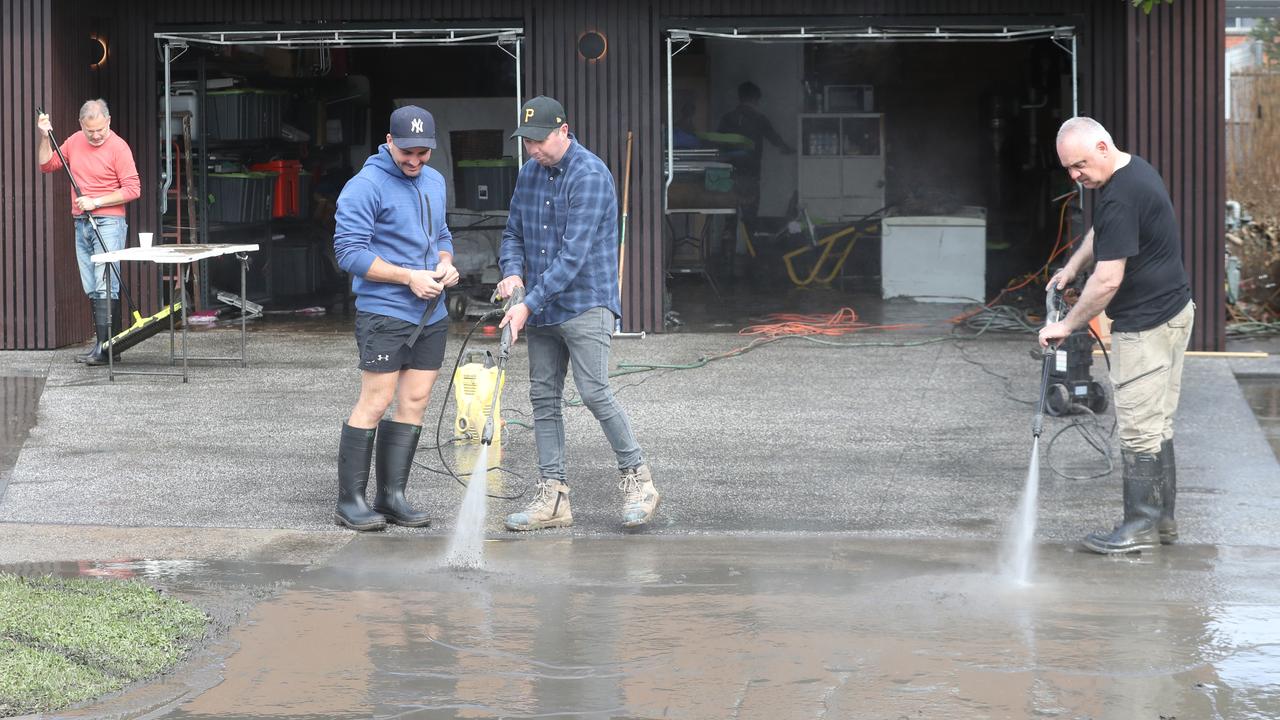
[413,127]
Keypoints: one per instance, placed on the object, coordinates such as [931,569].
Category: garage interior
[266,128]
[916,163]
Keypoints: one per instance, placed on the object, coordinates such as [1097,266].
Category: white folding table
[181,255]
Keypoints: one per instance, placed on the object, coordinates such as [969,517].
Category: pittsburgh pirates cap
[539,117]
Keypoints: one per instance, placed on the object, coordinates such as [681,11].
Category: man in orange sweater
[102,165]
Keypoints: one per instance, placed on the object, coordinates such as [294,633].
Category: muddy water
[703,627]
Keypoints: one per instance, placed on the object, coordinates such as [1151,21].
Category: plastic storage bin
[288,188]
[244,114]
[487,184]
[241,197]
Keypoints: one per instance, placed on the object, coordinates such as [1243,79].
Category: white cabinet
[841,156]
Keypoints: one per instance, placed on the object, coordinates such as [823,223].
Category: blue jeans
[114,230]
[584,341]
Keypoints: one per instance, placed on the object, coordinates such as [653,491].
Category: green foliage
[67,640]
[1147,5]
[1267,32]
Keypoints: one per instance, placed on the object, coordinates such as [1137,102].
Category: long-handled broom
[622,240]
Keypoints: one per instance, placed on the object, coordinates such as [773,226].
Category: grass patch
[67,640]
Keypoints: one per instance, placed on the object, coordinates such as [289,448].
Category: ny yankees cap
[413,127]
[539,117]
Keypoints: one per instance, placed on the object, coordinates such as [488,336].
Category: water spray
[466,549]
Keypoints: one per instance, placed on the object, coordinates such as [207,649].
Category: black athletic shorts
[381,341]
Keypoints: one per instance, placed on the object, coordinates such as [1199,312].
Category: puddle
[747,627]
[19,400]
[1263,394]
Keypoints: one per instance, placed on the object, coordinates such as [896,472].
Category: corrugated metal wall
[1171,60]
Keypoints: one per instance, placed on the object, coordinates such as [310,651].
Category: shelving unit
[841,171]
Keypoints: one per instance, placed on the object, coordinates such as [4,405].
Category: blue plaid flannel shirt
[562,237]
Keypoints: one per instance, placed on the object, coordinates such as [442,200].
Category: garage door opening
[265,128]
[792,151]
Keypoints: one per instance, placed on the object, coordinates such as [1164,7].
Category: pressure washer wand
[1052,314]
[504,351]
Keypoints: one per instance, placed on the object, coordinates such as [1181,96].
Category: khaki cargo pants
[1146,374]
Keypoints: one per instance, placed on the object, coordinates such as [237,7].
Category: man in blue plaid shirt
[561,246]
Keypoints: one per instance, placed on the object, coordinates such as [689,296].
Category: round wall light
[97,48]
[592,46]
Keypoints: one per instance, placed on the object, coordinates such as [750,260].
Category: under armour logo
[416,125]
[382,358]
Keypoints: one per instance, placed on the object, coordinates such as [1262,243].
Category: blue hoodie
[382,213]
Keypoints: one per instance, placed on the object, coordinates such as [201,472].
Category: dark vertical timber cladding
[604,100]
[1175,120]
[27,292]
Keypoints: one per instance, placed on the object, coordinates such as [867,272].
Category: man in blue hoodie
[391,234]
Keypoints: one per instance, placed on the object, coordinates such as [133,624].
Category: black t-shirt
[1134,219]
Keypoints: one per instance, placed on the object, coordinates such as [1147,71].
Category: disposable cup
[144,239]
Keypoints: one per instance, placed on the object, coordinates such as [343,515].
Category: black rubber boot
[1168,493]
[103,329]
[355,450]
[397,444]
[97,340]
[1143,475]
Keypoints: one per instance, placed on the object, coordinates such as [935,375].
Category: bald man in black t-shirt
[1139,279]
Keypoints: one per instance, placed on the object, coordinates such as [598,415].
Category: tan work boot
[549,508]
[640,497]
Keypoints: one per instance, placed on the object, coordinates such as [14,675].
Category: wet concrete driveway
[826,546]
[735,627]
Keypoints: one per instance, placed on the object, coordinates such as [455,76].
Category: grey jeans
[584,341]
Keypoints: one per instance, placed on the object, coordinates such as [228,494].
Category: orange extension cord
[844,322]
[1043,272]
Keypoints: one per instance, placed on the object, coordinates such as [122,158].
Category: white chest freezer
[935,258]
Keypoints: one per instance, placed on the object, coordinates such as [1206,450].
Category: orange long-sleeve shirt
[99,170]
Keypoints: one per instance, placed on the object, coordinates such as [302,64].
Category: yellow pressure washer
[477,390]
[478,387]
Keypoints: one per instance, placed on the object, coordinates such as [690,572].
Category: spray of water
[466,549]
[1020,546]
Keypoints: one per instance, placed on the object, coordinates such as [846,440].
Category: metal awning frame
[358,37]
[1065,37]
[871,33]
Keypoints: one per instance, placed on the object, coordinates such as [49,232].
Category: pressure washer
[1069,383]
[478,384]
